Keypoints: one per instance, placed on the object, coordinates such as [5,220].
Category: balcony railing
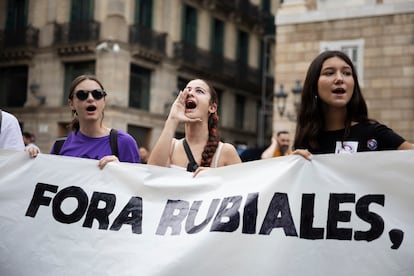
[148,39]
[77,32]
[248,11]
[225,6]
[243,10]
[21,37]
[209,65]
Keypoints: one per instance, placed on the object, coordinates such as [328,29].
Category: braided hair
[213,134]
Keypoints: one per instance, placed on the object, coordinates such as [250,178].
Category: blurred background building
[144,52]
[255,53]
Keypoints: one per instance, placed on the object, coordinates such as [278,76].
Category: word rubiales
[223,215]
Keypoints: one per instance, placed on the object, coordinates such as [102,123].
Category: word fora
[223,218]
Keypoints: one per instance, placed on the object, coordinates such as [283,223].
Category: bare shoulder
[229,148]
[229,155]
[406,146]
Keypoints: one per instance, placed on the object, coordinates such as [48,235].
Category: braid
[213,141]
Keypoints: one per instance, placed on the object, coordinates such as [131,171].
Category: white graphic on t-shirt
[346,147]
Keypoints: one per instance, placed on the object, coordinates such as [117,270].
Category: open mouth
[190,104]
[339,91]
[91,108]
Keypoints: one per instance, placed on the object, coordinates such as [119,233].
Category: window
[16,15]
[81,20]
[73,70]
[139,87]
[239,112]
[16,23]
[266,5]
[143,13]
[142,135]
[242,47]
[81,10]
[13,86]
[189,28]
[217,37]
[353,48]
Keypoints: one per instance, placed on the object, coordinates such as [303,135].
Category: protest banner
[334,215]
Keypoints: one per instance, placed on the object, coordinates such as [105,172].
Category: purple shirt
[80,145]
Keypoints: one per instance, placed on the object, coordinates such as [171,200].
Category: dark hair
[27,135]
[74,125]
[213,134]
[311,118]
[282,132]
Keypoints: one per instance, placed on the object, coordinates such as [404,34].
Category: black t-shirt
[362,137]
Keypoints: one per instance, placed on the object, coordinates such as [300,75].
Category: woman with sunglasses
[89,137]
[196,107]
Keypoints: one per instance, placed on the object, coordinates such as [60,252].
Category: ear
[212,108]
[71,105]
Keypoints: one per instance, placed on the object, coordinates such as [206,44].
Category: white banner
[334,215]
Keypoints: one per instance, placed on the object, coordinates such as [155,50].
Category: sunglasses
[97,94]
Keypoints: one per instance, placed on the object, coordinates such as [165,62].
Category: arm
[268,153]
[304,153]
[127,148]
[11,134]
[160,154]
[32,149]
[127,151]
[230,155]
[406,146]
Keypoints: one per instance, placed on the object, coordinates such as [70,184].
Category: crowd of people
[332,118]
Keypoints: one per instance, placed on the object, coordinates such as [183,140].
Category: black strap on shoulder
[113,140]
[58,145]
[192,165]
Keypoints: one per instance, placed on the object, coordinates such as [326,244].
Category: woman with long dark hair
[333,116]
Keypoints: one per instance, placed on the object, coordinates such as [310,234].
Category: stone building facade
[143,51]
[377,34]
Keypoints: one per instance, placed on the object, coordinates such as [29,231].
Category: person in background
[196,107]
[29,141]
[279,147]
[144,154]
[10,132]
[333,116]
[89,137]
